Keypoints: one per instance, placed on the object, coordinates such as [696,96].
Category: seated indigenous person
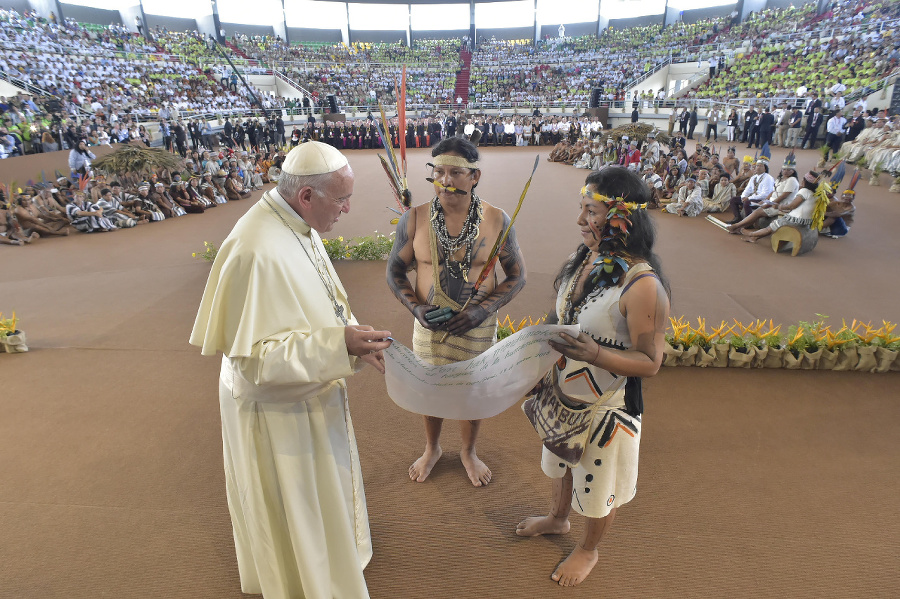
[560,152]
[234,187]
[51,210]
[11,232]
[798,213]
[29,218]
[87,217]
[839,215]
[655,185]
[785,191]
[181,197]
[688,201]
[161,198]
[672,182]
[147,204]
[721,197]
[447,241]
[208,189]
[114,211]
[612,287]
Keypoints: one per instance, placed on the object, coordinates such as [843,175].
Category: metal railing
[293,83]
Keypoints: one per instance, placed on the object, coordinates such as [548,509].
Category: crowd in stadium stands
[780,61]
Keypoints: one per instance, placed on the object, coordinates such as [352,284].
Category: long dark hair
[615,181]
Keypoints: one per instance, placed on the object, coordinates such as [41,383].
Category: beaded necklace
[458,269]
[608,269]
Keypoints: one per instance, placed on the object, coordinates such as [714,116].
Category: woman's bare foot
[478,472]
[421,468]
[575,568]
[542,525]
[749,238]
[734,229]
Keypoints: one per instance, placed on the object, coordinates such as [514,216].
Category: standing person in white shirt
[712,121]
[834,132]
[759,187]
[782,120]
[837,102]
[838,88]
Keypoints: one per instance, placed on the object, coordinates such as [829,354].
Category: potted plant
[866,349]
[674,348]
[739,353]
[876,172]
[12,340]
[799,339]
[886,348]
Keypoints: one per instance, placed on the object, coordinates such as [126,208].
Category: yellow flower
[194,254]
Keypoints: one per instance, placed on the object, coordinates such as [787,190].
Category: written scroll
[473,389]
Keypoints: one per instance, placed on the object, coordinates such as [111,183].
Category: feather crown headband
[448,160]
[617,219]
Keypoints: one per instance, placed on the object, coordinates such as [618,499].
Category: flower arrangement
[12,340]
[807,345]
[369,247]
[507,327]
[7,325]
[209,253]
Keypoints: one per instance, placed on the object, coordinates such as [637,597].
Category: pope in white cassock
[275,308]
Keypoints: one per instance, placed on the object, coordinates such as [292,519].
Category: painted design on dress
[585,373]
[612,423]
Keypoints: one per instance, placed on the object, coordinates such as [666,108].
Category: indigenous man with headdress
[448,241]
[759,188]
[730,162]
[275,307]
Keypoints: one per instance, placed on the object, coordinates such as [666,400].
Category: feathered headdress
[790,161]
[853,181]
[765,155]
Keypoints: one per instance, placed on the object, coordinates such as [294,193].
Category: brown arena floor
[753,483]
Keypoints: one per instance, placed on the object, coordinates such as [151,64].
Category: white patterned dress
[606,476]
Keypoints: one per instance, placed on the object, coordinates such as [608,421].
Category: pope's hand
[581,348]
[367,344]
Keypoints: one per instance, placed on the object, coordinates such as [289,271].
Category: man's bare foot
[542,525]
[478,472]
[575,568]
[421,468]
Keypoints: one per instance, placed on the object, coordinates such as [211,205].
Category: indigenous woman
[612,288]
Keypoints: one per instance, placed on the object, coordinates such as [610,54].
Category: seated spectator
[87,217]
[797,213]
[688,201]
[839,215]
[234,187]
[721,198]
[774,205]
[11,232]
[114,211]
